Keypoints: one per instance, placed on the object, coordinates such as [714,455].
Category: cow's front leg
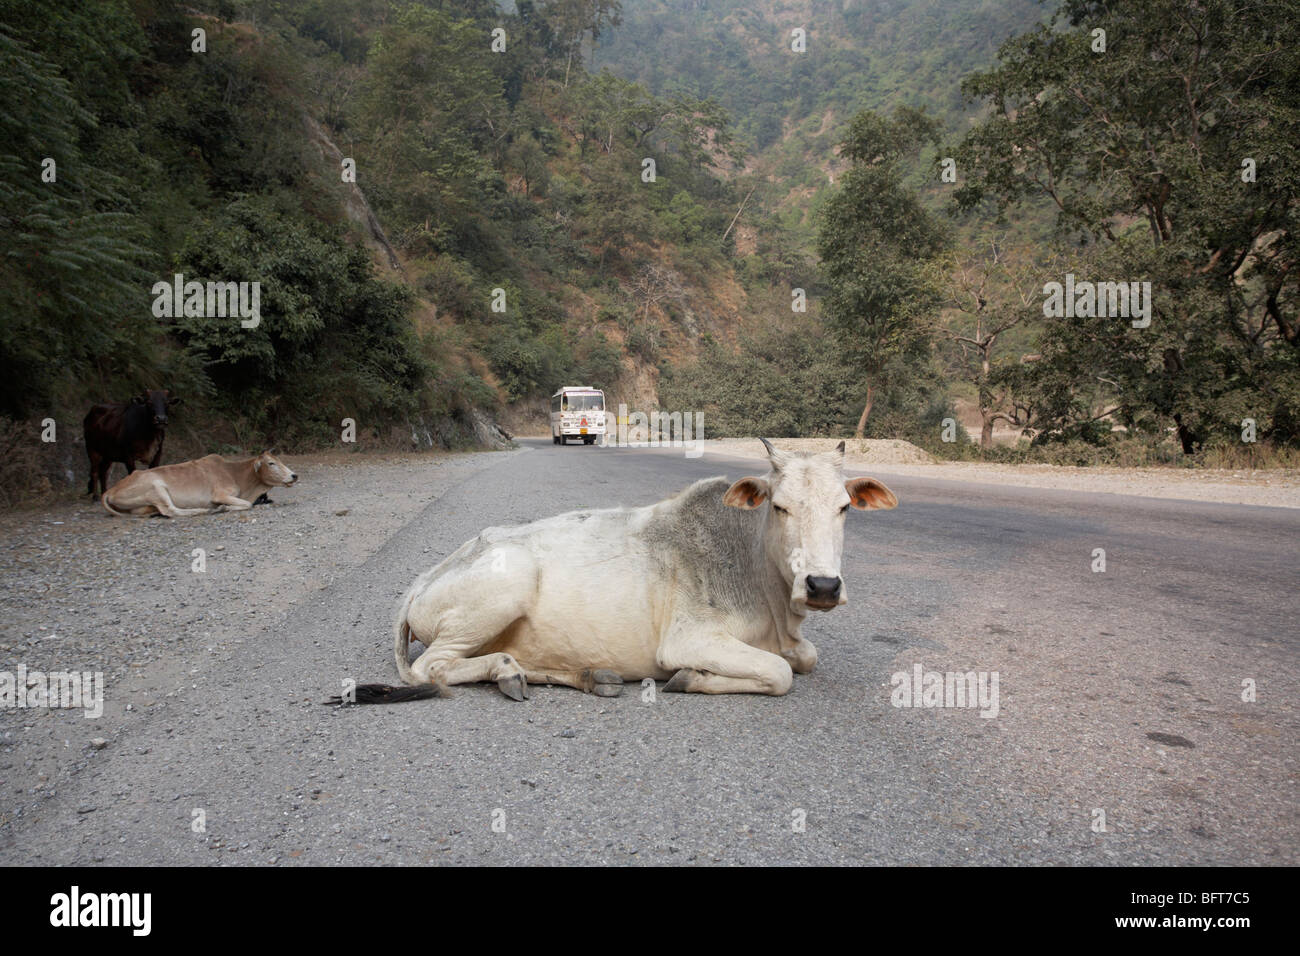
[99,468]
[710,661]
[230,502]
[800,654]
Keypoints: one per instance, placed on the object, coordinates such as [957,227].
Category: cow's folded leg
[162,500]
[717,664]
[183,512]
[605,683]
[174,512]
[463,609]
[502,668]
[691,681]
[602,683]
[514,686]
[801,655]
[231,502]
[680,683]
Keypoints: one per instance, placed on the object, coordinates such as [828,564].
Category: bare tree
[653,284]
[987,297]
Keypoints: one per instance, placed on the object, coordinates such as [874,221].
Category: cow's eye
[844,509]
[779,510]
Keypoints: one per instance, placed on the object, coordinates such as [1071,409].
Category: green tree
[1171,156]
[876,241]
[72,286]
[333,341]
[784,380]
[428,113]
[572,20]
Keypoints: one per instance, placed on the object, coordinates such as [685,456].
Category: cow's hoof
[514,686]
[605,683]
[680,682]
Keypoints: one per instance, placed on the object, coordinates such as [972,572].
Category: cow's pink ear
[867,494]
[746,493]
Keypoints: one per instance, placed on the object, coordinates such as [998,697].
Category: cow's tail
[411,688]
[402,645]
[103,499]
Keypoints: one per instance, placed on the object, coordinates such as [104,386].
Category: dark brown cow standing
[126,432]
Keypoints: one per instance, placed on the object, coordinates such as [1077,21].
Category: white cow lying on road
[197,487]
[707,589]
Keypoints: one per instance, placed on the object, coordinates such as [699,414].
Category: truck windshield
[584,403]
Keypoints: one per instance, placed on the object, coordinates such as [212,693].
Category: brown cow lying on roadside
[197,487]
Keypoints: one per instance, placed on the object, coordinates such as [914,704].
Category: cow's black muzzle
[822,593]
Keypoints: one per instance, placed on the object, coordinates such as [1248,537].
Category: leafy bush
[333,342]
[450,285]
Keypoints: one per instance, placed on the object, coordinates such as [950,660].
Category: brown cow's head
[272,471]
[804,533]
[158,401]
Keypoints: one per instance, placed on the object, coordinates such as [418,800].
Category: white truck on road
[577,411]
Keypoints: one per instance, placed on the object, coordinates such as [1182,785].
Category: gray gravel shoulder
[87,592]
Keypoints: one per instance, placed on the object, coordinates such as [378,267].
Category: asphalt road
[1195,599]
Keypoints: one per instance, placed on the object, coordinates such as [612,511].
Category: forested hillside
[1122,144]
[502,235]
[792,109]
